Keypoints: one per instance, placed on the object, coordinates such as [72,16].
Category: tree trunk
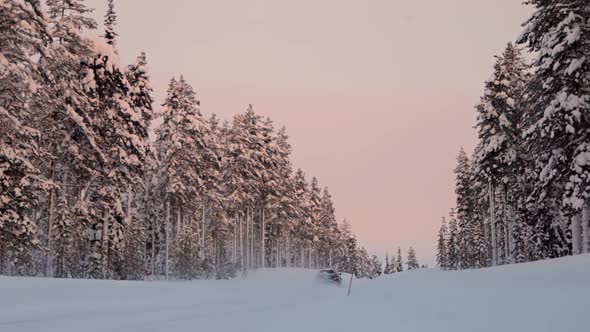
[203,230]
[123,242]
[129,200]
[49,268]
[241,242]
[234,256]
[252,238]
[167,231]
[2,261]
[576,235]
[287,260]
[279,263]
[153,253]
[511,238]
[248,238]
[105,243]
[63,252]
[493,224]
[302,257]
[586,228]
[177,224]
[262,238]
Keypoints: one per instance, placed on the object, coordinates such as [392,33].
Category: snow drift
[541,296]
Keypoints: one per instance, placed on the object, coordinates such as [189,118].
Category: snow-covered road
[542,296]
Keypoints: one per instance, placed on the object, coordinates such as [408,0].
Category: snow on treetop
[102,48]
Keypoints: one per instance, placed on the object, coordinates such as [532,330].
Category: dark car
[330,275]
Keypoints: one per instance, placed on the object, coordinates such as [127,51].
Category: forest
[523,194]
[88,190]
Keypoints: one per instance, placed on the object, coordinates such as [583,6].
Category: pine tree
[110,20]
[364,267]
[480,216]
[441,250]
[466,198]
[499,123]
[558,34]
[63,116]
[284,203]
[69,18]
[303,228]
[412,261]
[249,178]
[20,179]
[187,262]
[376,267]
[141,90]
[387,269]
[314,197]
[184,154]
[453,249]
[134,250]
[348,255]
[327,228]
[399,264]
[122,135]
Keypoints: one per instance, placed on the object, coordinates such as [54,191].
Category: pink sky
[377,95]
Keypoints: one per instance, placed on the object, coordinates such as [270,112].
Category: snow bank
[541,296]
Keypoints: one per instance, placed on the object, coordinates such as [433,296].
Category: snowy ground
[543,296]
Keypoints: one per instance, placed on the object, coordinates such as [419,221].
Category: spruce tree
[303,226]
[464,211]
[499,124]
[412,261]
[141,91]
[399,264]
[453,249]
[187,262]
[110,20]
[64,112]
[69,17]
[20,76]
[387,269]
[559,105]
[284,203]
[327,228]
[122,135]
[441,249]
[376,267]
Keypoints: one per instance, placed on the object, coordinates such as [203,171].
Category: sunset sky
[377,95]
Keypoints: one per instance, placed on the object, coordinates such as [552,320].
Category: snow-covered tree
[376,267]
[63,116]
[110,20]
[327,228]
[187,262]
[453,254]
[347,259]
[465,210]
[412,261]
[559,106]
[141,90]
[69,18]
[399,264]
[500,124]
[122,135]
[442,255]
[24,35]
